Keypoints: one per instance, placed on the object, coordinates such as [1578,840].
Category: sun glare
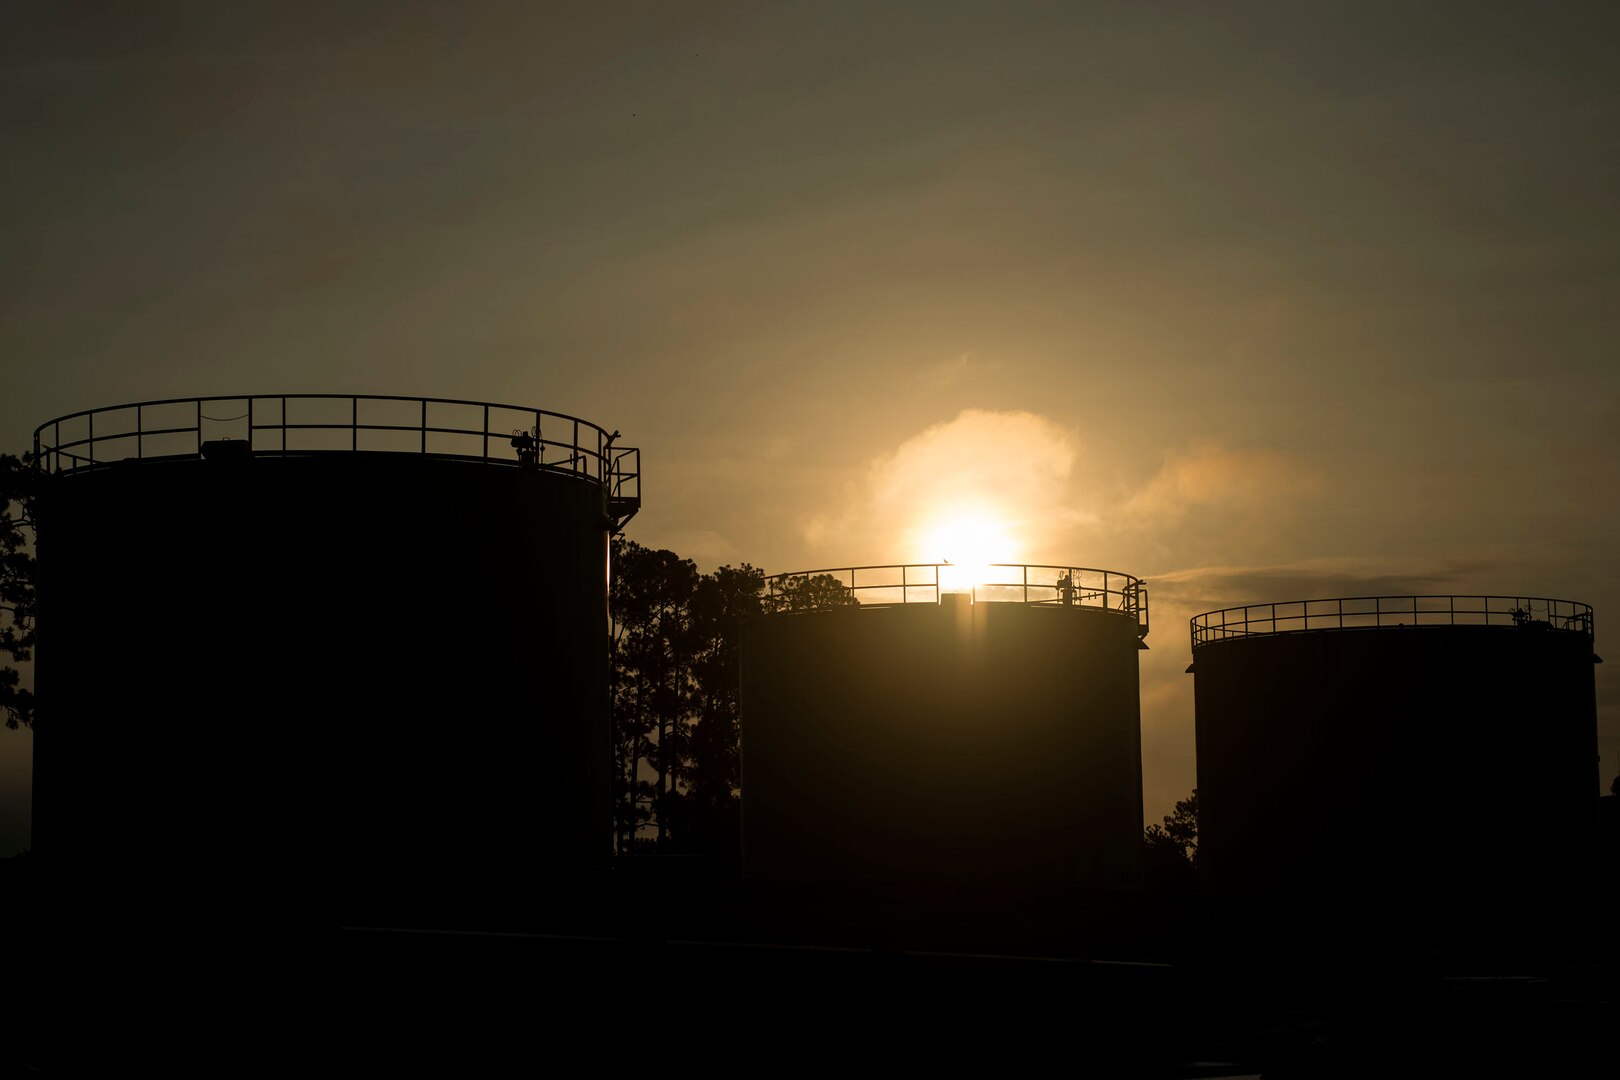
[970,538]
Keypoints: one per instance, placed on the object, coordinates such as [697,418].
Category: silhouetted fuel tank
[894,732]
[356,643]
[1437,748]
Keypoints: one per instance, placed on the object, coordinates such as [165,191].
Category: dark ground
[661,965]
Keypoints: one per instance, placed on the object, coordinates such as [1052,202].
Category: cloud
[978,454]
[1009,466]
[1210,475]
[957,368]
[1206,587]
[1496,572]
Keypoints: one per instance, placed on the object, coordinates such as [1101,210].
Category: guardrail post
[354,423]
[424,426]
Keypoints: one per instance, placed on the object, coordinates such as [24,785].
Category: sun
[970,537]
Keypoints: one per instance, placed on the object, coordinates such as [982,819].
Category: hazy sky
[1255,301]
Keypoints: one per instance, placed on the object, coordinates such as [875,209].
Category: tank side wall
[1435,760]
[391,664]
[1001,742]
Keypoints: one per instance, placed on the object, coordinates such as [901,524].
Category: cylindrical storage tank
[895,734]
[1435,751]
[352,646]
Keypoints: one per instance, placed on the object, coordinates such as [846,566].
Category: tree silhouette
[676,675]
[648,598]
[710,765]
[19,484]
[811,591]
[1170,851]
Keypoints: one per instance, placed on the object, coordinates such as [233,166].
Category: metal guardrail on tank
[1366,612]
[923,583]
[488,432]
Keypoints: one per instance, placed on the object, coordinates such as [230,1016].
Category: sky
[1256,302]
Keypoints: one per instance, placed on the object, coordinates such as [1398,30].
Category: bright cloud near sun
[985,487]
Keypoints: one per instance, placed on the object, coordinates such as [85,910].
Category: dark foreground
[647,969]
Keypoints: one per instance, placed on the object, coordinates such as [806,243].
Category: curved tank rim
[155,402]
[153,460]
[898,585]
[1393,613]
[260,427]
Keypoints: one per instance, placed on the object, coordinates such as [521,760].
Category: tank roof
[899,584]
[301,425]
[1392,612]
